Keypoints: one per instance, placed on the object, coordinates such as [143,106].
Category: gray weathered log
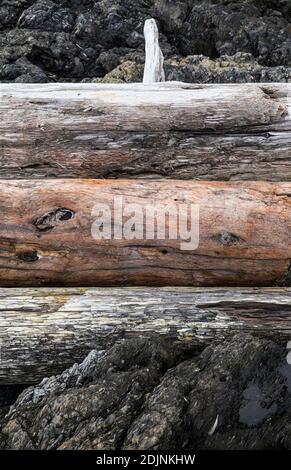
[43,331]
[172,130]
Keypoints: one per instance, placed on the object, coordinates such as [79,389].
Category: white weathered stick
[154,62]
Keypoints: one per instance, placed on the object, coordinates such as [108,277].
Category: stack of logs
[66,147]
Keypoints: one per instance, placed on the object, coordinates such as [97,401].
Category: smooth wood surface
[44,331]
[169,130]
[46,240]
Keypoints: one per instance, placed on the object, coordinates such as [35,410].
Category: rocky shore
[202,41]
[145,394]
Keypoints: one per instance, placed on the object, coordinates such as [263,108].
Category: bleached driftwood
[172,130]
[43,331]
[154,59]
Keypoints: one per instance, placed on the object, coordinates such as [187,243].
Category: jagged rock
[86,26]
[22,71]
[70,40]
[54,53]
[283,6]
[47,16]
[91,405]
[226,28]
[142,394]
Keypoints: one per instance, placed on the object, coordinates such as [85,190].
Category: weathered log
[44,331]
[46,233]
[173,130]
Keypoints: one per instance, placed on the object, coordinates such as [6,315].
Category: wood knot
[228,239]
[28,256]
[50,219]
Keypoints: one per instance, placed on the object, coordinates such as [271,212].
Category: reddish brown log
[45,235]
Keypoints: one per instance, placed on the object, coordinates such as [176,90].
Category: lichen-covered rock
[142,394]
[126,72]
[241,67]
[8,395]
[10,10]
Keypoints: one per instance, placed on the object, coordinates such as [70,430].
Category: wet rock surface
[144,394]
[61,40]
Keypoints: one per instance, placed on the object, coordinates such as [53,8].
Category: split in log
[172,130]
[42,332]
[46,234]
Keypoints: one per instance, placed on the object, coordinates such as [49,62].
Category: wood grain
[46,240]
[169,130]
[44,331]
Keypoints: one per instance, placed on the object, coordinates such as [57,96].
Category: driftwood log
[44,331]
[46,234]
[172,130]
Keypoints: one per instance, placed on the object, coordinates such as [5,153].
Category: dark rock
[8,395]
[86,26]
[142,394]
[226,28]
[108,60]
[91,405]
[46,15]
[239,68]
[22,71]
[73,41]
[127,72]
[10,11]
[54,53]
[282,7]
